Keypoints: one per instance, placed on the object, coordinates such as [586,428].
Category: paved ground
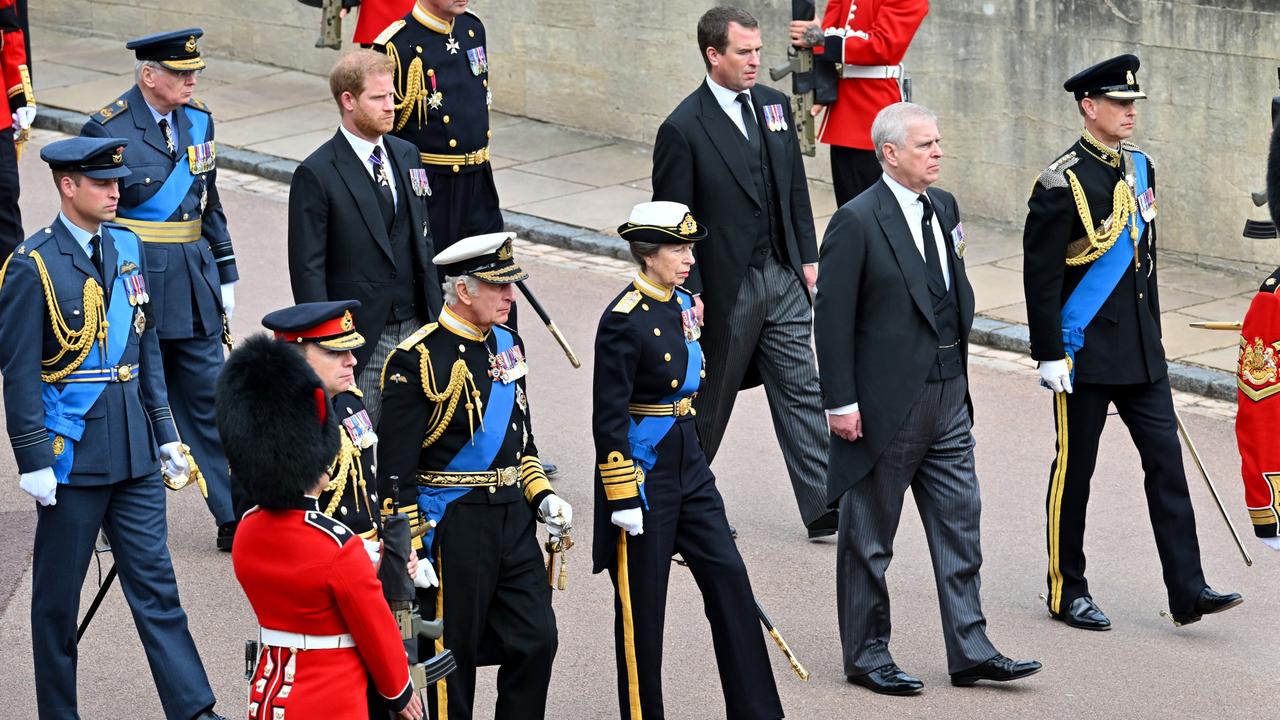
[1222,667]
[589,181]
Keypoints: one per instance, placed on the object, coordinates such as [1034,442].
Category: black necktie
[385,199]
[933,266]
[95,254]
[168,137]
[748,117]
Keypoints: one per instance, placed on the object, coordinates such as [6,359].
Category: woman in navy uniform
[656,495]
[325,626]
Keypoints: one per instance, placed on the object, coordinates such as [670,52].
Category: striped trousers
[369,377]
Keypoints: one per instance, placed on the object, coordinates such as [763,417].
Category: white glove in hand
[426,576]
[172,462]
[228,299]
[1055,375]
[41,485]
[24,116]
[631,520]
[556,513]
[373,548]
[1271,542]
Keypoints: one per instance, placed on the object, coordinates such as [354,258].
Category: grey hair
[450,286]
[137,69]
[642,250]
[890,126]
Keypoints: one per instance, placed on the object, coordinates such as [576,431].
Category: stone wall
[992,70]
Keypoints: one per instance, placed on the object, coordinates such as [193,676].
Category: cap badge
[191,44]
[504,252]
[688,225]
[347,323]
[118,156]
[1128,77]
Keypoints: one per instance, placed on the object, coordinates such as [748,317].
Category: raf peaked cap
[101,158]
[176,50]
[486,257]
[327,324]
[1112,78]
[662,223]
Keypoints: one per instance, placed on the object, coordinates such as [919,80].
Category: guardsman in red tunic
[375,16]
[1258,380]
[326,630]
[866,40]
[17,110]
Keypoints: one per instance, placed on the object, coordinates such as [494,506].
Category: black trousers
[11,234]
[461,205]
[686,516]
[496,605]
[852,171]
[1147,410]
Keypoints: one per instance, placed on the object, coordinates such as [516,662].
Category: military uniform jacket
[442,86]
[129,420]
[185,278]
[645,344]
[14,74]
[436,400]
[306,573]
[1258,396]
[1122,342]
[354,495]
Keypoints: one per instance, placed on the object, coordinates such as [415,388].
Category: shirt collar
[79,234]
[158,116]
[450,321]
[726,97]
[905,196]
[431,22]
[362,147]
[653,289]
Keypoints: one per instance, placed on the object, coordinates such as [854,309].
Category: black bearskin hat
[275,420]
[1273,176]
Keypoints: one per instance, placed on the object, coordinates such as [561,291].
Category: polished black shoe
[1209,602]
[1085,614]
[550,468]
[888,680]
[824,525]
[226,536]
[209,715]
[998,668]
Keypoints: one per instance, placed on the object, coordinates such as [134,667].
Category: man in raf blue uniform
[85,405]
[169,199]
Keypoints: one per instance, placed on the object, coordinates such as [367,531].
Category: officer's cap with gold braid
[99,158]
[486,257]
[327,324]
[662,223]
[1112,78]
[176,50]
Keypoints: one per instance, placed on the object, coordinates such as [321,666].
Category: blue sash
[1103,275]
[169,197]
[645,435]
[65,408]
[477,455]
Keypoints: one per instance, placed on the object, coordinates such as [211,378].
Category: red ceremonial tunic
[375,15]
[13,63]
[874,32]
[307,573]
[1258,395]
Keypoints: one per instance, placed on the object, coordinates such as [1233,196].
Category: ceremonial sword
[546,319]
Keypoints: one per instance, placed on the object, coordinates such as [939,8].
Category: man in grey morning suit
[895,353]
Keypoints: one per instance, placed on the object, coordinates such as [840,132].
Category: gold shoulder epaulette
[113,110]
[628,302]
[1055,176]
[389,32]
[199,105]
[418,336]
[356,391]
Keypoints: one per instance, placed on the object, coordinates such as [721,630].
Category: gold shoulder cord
[415,90]
[460,379]
[76,341]
[346,467]
[1124,204]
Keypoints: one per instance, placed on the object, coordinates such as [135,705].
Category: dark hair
[269,404]
[641,250]
[713,28]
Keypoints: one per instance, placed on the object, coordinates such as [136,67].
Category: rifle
[807,87]
[397,587]
[330,25]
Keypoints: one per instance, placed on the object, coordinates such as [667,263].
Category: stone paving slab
[56,75]
[254,129]
[615,164]
[994,287]
[295,147]
[517,187]
[529,140]
[602,208]
[263,95]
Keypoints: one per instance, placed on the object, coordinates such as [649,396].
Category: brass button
[667,357]
[675,383]
[492,490]
[147,181]
[453,142]
[445,119]
[644,306]
[1270,281]
[1139,296]
[471,33]
[488,133]
[702,373]
[656,331]
[485,82]
[418,49]
[679,300]
[456,168]
[462,348]
[186,216]
[431,72]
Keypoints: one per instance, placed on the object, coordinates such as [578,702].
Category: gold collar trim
[462,328]
[444,27]
[1096,148]
[657,291]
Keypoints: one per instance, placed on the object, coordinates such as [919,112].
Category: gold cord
[415,90]
[1124,204]
[70,341]
[461,384]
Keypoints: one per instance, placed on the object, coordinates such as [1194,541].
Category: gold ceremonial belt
[163,232]
[500,477]
[478,157]
[679,408]
[119,373]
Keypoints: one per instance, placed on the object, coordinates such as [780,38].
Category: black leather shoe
[209,715]
[998,668]
[1085,614]
[1209,602]
[825,525]
[550,468]
[226,535]
[888,680]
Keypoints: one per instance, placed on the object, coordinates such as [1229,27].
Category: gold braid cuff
[620,477]
[533,477]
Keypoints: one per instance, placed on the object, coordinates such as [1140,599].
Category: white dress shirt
[728,100]
[81,236]
[364,149]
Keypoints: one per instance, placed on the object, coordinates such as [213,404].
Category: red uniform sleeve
[359,597]
[884,42]
[13,62]
[1258,395]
